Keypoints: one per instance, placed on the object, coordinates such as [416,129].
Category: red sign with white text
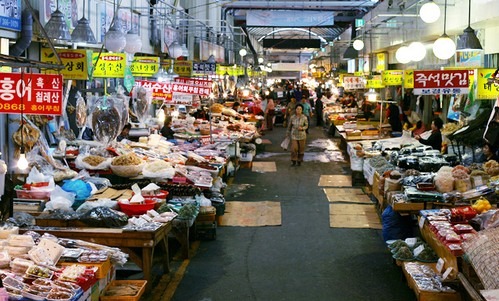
[195,82]
[38,94]
[441,82]
[165,90]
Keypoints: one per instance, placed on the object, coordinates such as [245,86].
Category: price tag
[418,250]
[440,265]
[478,181]
[411,241]
[447,273]
[421,222]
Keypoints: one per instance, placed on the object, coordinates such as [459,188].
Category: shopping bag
[285,143]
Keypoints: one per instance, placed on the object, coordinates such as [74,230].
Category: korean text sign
[36,94]
[165,90]
[441,82]
[75,62]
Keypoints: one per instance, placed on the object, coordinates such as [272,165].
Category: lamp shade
[83,32]
[429,12]
[403,55]
[185,51]
[468,41]
[133,42]
[444,47]
[243,52]
[114,40]
[56,27]
[175,49]
[417,51]
[358,44]
[260,60]
[350,53]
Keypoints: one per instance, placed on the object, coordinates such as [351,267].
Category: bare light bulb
[22,163]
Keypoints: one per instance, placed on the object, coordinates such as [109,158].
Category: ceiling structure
[281,42]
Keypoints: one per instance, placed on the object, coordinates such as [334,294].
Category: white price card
[411,241]
[447,273]
[478,181]
[421,222]
[418,250]
[440,265]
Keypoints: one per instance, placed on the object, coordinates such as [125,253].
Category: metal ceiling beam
[308,5]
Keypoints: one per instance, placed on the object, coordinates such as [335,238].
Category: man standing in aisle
[290,110]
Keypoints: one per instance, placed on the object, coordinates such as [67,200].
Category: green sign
[359,23]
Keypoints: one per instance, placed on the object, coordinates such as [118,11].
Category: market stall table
[139,245]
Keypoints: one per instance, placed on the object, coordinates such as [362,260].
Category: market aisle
[303,259]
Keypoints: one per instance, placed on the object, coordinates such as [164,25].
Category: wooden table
[139,245]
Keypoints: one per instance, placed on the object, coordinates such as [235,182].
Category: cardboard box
[141,284]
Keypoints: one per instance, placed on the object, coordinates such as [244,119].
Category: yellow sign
[409,79]
[75,62]
[484,89]
[380,62]
[375,82]
[144,65]
[109,65]
[182,68]
[392,77]
[358,73]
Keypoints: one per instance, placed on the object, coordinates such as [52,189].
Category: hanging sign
[75,62]
[392,77]
[195,82]
[182,99]
[144,66]
[486,90]
[375,82]
[109,65]
[353,82]
[202,68]
[408,79]
[183,68]
[380,61]
[165,90]
[469,58]
[441,82]
[37,94]
[10,15]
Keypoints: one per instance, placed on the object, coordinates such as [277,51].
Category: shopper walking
[318,111]
[298,124]
[269,113]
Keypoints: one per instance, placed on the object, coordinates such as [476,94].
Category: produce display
[426,278]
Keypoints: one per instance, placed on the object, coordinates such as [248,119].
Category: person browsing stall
[166,130]
[298,124]
[435,139]
[489,153]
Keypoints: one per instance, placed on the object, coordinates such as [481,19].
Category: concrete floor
[303,259]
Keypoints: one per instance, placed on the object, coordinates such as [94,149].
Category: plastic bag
[104,217]
[87,206]
[79,187]
[285,143]
[158,169]
[60,199]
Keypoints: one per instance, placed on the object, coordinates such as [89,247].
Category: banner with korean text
[486,89]
[165,90]
[75,62]
[393,77]
[441,82]
[144,65]
[109,65]
[36,94]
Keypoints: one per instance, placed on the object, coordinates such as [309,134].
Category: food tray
[141,284]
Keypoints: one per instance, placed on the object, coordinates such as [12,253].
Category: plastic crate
[206,230]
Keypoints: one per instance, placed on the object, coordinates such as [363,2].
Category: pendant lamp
[133,41]
[82,31]
[358,45]
[403,55]
[429,12]
[56,27]
[175,50]
[468,41]
[444,47]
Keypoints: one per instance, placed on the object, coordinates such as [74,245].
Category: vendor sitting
[489,153]
[167,131]
[412,122]
[435,139]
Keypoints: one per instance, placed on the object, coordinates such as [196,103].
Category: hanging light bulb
[22,162]
[260,60]
[175,50]
[444,47]
[115,40]
[243,52]
[417,51]
[429,12]
[133,42]
[403,55]
[358,44]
